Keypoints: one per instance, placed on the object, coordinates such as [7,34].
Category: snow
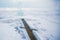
[46,27]
[42,16]
[8,30]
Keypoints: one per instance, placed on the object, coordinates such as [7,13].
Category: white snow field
[42,16]
[44,24]
[10,29]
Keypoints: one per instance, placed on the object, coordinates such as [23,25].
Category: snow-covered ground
[43,17]
[44,24]
[10,29]
[45,29]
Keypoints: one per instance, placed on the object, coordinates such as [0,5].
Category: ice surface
[42,16]
[10,30]
[47,29]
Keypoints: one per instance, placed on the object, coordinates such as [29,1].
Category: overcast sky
[49,4]
[25,3]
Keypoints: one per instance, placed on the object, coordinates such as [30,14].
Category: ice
[43,36]
[7,32]
[23,33]
[30,24]
[12,29]
[42,17]
[45,29]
